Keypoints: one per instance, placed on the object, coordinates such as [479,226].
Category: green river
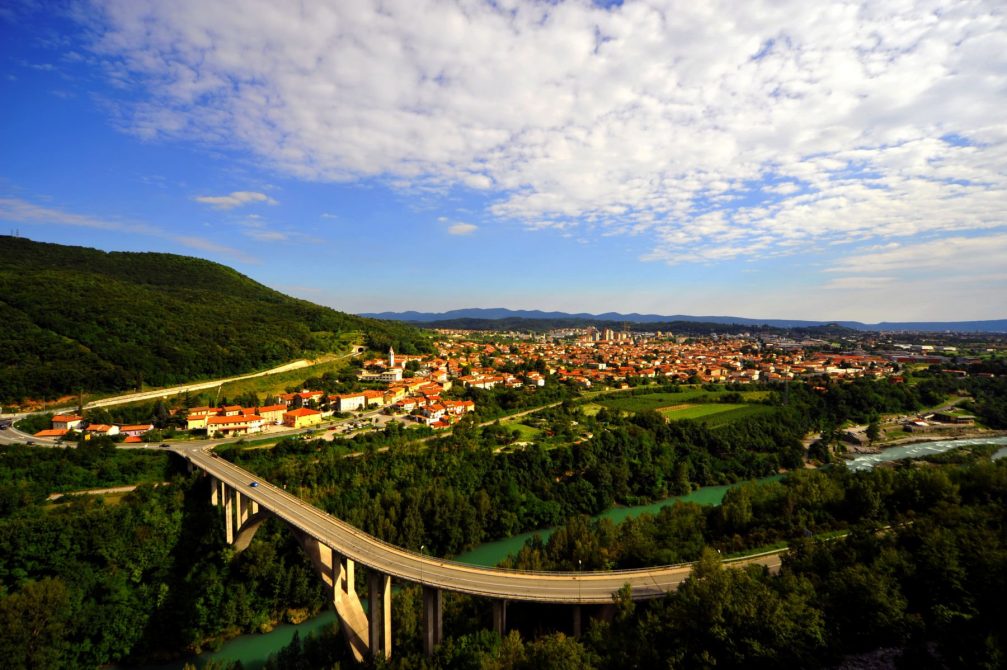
[253,650]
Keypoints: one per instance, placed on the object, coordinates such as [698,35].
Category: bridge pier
[337,572]
[214,491]
[380,619]
[433,619]
[229,513]
[500,617]
[576,622]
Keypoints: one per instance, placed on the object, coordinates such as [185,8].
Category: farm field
[659,401]
[714,414]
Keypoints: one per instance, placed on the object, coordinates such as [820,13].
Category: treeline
[453,493]
[803,504]
[926,591]
[29,474]
[81,319]
[864,400]
[87,584]
[500,401]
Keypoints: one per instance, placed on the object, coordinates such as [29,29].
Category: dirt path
[98,492]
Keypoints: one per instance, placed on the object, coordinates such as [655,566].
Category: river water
[253,650]
[868,461]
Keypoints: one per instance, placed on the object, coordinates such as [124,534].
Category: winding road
[550,587]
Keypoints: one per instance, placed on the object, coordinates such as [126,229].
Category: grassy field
[528,433]
[261,386]
[659,401]
[714,414]
[278,383]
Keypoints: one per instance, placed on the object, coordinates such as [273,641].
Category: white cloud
[16,210]
[462,229]
[721,130]
[267,235]
[953,255]
[234,199]
[858,282]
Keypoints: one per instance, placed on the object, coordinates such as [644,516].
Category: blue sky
[775,160]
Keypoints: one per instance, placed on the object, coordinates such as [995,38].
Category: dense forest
[917,579]
[89,582]
[82,319]
[921,547]
[453,493]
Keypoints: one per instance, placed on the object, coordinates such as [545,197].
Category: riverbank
[974,434]
[919,449]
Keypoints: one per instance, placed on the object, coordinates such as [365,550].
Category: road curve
[552,587]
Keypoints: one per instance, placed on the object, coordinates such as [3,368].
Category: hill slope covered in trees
[82,319]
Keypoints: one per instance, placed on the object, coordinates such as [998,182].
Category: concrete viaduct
[335,547]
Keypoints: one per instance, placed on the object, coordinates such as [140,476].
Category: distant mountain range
[499,313]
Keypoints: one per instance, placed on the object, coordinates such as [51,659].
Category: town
[416,389]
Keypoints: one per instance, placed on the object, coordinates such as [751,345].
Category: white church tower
[391,357]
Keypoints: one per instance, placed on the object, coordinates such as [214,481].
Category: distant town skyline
[820,161]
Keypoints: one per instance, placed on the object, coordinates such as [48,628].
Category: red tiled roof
[304,411]
[52,432]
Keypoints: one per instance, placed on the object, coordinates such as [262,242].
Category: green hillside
[74,318]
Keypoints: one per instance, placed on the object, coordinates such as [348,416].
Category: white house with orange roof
[349,402]
[67,422]
[102,429]
[273,413]
[136,430]
[234,425]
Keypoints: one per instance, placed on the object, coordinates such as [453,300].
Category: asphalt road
[552,587]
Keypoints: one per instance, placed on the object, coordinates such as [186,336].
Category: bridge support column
[239,504]
[229,494]
[214,491]
[433,619]
[380,619]
[349,581]
[255,508]
[576,622]
[500,617]
[336,572]
[243,505]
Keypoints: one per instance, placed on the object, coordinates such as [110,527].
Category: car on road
[254,484]
[165,445]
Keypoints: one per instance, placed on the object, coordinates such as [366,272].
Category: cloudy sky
[820,160]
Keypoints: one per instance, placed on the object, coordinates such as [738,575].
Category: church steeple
[391,357]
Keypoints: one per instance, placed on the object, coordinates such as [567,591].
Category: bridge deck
[551,587]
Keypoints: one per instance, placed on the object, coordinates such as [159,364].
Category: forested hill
[73,318]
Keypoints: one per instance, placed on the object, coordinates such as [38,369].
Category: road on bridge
[553,587]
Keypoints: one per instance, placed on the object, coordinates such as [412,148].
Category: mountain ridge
[80,319]
[495,313]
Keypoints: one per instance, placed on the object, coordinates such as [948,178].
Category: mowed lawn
[714,414]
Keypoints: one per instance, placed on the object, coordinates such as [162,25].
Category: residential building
[302,418]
